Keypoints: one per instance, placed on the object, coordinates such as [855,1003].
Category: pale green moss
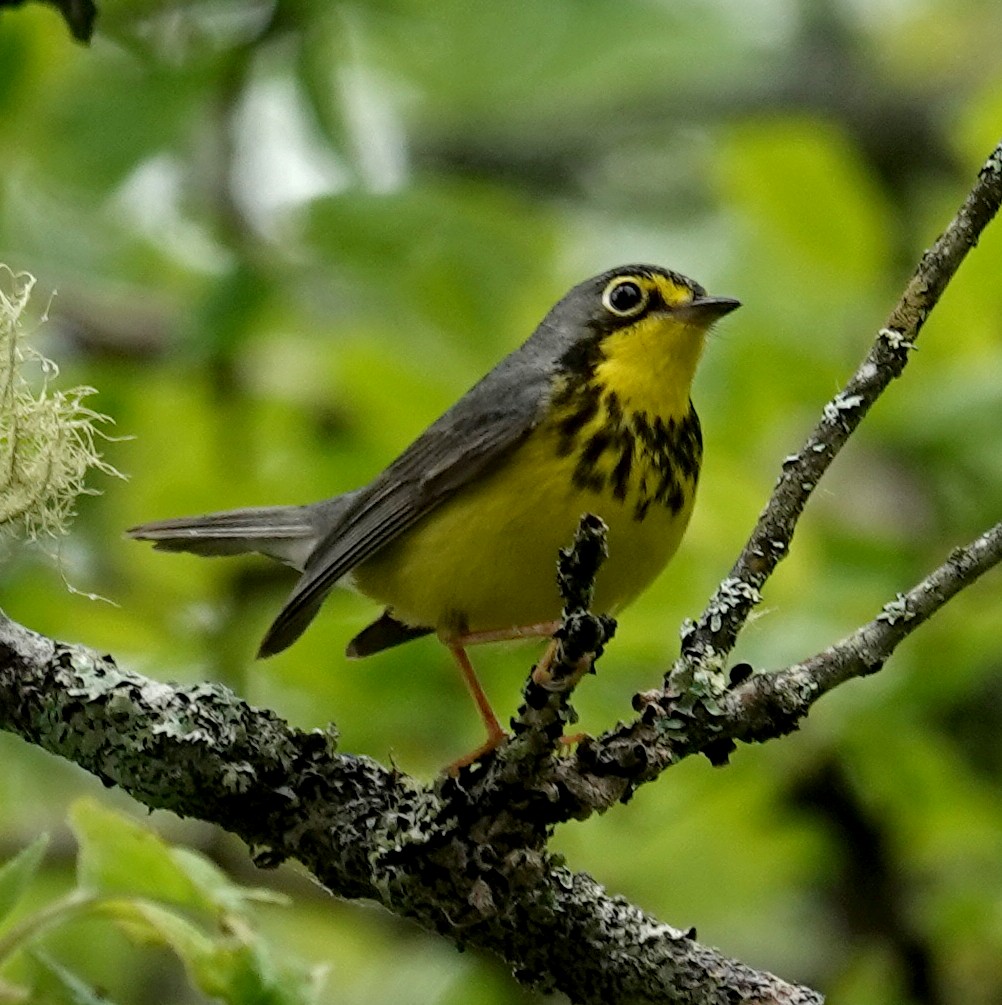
[47,436]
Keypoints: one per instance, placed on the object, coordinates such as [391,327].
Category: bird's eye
[624,298]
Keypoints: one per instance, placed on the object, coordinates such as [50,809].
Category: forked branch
[725,615]
[675,724]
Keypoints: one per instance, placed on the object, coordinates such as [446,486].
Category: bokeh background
[281,237]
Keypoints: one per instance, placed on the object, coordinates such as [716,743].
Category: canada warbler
[459,535]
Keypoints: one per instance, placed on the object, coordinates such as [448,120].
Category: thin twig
[865,650]
[673,725]
[717,629]
[578,642]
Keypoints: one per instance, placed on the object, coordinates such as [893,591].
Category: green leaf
[61,986]
[151,924]
[236,967]
[16,874]
[120,856]
[215,884]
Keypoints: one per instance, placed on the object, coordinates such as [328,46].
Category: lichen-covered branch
[865,650]
[465,857]
[715,632]
[753,708]
[460,856]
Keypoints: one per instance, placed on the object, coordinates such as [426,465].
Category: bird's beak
[706,310]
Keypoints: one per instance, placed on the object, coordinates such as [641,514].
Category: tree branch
[709,718]
[465,857]
[458,856]
[865,650]
[718,627]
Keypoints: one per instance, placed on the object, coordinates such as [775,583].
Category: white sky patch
[280,162]
[150,199]
[377,134]
[767,22]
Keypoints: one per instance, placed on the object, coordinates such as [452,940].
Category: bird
[459,535]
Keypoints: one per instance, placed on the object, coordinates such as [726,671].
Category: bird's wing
[475,433]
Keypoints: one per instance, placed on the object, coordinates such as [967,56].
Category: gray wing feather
[476,432]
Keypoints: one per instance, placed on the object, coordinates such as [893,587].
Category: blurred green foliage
[157,897]
[284,236]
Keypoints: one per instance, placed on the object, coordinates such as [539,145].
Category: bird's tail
[286,533]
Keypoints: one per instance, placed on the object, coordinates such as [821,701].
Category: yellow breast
[486,558]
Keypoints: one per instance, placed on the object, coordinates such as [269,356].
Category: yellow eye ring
[625,297]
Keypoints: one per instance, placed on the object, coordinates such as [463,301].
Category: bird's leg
[495,734]
[507,634]
[457,646]
[541,671]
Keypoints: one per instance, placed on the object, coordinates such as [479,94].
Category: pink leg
[541,671]
[495,734]
[541,676]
